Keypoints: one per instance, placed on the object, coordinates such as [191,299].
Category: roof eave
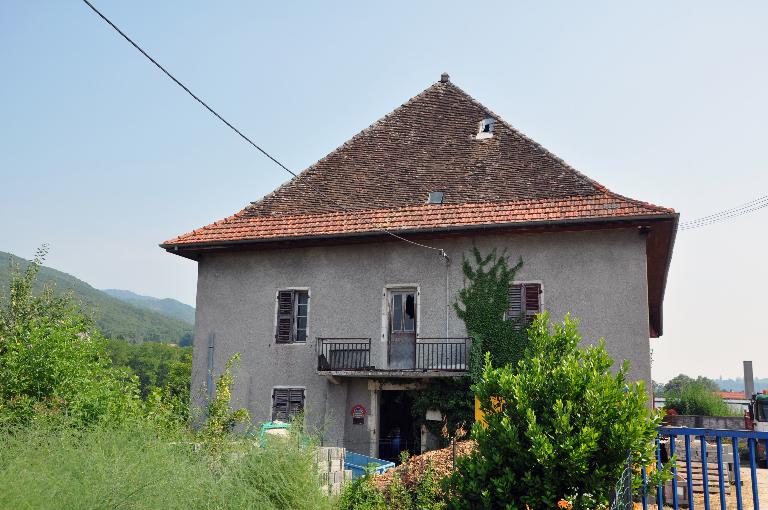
[176,247]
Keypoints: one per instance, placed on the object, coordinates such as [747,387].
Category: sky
[103,158]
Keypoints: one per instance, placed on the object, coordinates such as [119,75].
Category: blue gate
[702,450]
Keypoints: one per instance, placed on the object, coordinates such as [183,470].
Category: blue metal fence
[695,452]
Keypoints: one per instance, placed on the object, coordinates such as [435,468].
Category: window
[403,312]
[287,403]
[524,301]
[435,197]
[292,316]
[485,128]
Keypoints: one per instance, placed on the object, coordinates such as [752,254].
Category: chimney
[749,381]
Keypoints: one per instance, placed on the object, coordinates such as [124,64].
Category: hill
[113,317]
[167,306]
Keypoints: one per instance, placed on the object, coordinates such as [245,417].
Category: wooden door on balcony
[402,328]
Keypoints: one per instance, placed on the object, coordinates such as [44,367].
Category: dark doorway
[398,431]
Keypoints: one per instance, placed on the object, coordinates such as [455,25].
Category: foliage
[361,494]
[221,419]
[52,362]
[112,317]
[131,466]
[428,494]
[455,400]
[156,365]
[483,305]
[565,427]
[679,382]
[696,397]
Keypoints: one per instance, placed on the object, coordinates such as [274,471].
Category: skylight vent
[485,128]
[435,197]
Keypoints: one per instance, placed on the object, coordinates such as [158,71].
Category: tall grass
[135,467]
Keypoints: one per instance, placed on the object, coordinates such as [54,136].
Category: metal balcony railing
[444,354]
[354,354]
[343,354]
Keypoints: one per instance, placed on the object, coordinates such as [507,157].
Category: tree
[559,425]
[52,361]
[483,305]
[679,382]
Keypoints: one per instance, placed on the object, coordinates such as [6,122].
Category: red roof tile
[243,226]
[382,176]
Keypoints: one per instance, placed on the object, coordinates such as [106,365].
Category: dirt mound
[411,472]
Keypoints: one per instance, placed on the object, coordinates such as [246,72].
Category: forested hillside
[169,307]
[114,318]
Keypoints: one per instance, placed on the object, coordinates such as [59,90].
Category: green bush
[361,494]
[565,428]
[696,397]
[53,362]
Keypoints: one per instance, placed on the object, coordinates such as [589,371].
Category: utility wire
[244,137]
[727,214]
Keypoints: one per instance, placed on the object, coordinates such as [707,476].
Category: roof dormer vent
[485,128]
[435,197]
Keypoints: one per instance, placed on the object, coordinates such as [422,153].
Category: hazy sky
[103,158]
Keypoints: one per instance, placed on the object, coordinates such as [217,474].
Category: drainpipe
[209,382]
[447,290]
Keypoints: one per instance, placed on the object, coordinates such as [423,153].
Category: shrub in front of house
[565,428]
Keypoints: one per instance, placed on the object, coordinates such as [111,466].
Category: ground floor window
[287,403]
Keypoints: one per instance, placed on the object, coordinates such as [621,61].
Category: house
[337,288]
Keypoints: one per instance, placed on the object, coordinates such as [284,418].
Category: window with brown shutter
[524,301]
[292,316]
[287,403]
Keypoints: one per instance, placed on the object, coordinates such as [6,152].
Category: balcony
[432,357]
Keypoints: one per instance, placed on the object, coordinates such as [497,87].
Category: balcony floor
[395,373]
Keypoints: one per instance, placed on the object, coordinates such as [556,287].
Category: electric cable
[246,138]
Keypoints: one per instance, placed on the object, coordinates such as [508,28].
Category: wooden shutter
[516,305]
[532,301]
[280,397]
[285,317]
[524,301]
[295,401]
[287,403]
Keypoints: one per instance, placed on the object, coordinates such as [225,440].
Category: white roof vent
[485,128]
[435,197]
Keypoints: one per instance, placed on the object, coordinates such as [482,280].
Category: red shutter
[284,333]
[532,301]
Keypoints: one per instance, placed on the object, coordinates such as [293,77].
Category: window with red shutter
[524,301]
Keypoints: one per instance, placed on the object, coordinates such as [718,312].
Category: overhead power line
[727,214]
[246,138]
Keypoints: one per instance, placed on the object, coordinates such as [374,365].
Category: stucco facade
[598,276]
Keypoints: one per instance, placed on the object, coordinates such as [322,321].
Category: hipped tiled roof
[382,176]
